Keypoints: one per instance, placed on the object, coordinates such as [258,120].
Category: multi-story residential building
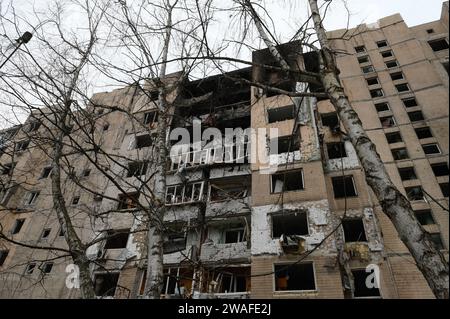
[236,228]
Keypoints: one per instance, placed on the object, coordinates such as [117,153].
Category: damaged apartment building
[245,219]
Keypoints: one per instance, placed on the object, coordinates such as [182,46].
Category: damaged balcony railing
[233,153]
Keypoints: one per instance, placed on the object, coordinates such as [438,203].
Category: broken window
[47,267]
[177,194]
[281,113]
[117,239]
[234,235]
[440,169]
[382,44]
[415,116]
[288,181]
[105,284]
[438,45]
[291,277]
[33,126]
[128,201]
[354,230]
[393,137]
[75,200]
[425,217]
[151,118]
[404,87]
[431,149]
[32,198]
[30,268]
[17,226]
[177,281]
[437,240]
[286,144]
[367,69]
[85,172]
[330,119]
[414,193]
[376,93]
[45,233]
[407,173]
[292,223]
[143,141]
[46,172]
[174,239]
[343,186]
[409,102]
[137,168]
[363,59]
[372,81]
[444,189]
[360,49]
[423,132]
[361,287]
[430,31]
[3,254]
[391,64]
[22,145]
[228,189]
[399,154]
[396,76]
[381,107]
[386,54]
[336,150]
[387,121]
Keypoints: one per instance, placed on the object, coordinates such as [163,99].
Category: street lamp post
[23,39]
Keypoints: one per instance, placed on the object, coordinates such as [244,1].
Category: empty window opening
[440,169]
[437,240]
[416,116]
[382,43]
[387,121]
[34,126]
[174,239]
[414,193]
[75,200]
[189,193]
[46,172]
[143,141]
[235,235]
[336,150]
[289,224]
[233,283]
[367,69]
[409,102]
[177,281]
[117,239]
[294,277]
[32,198]
[391,64]
[394,137]
[361,288]
[402,87]
[17,226]
[438,45]
[343,186]
[360,49]
[3,255]
[151,118]
[137,168]
[281,113]
[86,172]
[106,284]
[407,173]
[444,189]
[284,144]
[381,107]
[288,181]
[386,54]
[45,233]
[423,132]
[400,154]
[430,30]
[363,59]
[286,85]
[425,217]
[30,268]
[21,146]
[431,149]
[330,119]
[47,267]
[229,189]
[105,127]
[397,76]
[354,230]
[372,81]
[376,93]
[128,201]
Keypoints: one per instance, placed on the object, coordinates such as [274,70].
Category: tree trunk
[429,260]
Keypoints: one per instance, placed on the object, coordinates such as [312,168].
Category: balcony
[212,251]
